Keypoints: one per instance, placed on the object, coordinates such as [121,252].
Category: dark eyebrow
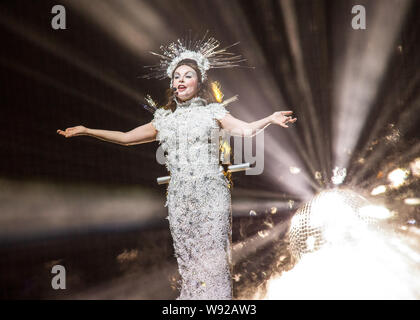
[177,73]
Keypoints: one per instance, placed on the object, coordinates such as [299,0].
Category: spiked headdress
[204,52]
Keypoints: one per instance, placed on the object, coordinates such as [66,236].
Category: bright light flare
[336,218]
[376,212]
[397,177]
[359,73]
[412,201]
[378,190]
[294,170]
[380,267]
[331,217]
[415,167]
[339,174]
[342,257]
[329,208]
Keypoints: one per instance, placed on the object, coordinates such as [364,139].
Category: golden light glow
[150,101]
[217,92]
[225,147]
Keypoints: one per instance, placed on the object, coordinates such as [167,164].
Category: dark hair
[204,88]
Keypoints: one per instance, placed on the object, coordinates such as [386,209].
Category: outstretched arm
[238,127]
[142,134]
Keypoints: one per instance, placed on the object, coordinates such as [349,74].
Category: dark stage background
[95,207]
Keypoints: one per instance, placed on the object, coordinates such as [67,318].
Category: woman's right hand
[73,131]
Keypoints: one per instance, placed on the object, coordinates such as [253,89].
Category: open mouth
[181,88]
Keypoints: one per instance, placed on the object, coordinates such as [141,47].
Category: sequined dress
[198,198]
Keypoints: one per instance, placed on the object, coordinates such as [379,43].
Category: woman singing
[198,198]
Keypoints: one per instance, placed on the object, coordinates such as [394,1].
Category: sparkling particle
[273,210]
[397,177]
[378,190]
[415,167]
[126,256]
[294,170]
[252,213]
[237,277]
[269,224]
[291,203]
[339,174]
[394,134]
[263,233]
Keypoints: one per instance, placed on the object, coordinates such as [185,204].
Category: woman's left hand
[282,118]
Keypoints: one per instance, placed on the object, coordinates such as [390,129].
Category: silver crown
[204,51]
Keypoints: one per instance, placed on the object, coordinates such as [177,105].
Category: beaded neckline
[198,101]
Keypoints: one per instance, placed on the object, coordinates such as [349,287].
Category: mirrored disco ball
[331,217]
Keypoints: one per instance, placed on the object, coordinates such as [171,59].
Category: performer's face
[185,79]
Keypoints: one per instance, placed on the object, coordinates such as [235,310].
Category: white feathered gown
[198,198]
